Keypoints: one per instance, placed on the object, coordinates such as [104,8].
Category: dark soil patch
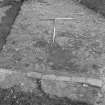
[97,6]
[13,96]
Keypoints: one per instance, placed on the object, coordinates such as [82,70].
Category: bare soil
[78,49]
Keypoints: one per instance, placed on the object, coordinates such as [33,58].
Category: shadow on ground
[97,6]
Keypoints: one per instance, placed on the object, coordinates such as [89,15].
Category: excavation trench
[68,67]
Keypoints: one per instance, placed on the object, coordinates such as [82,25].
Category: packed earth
[52,52]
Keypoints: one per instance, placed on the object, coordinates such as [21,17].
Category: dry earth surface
[72,66]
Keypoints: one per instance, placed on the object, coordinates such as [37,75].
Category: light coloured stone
[34,75]
[78,79]
[63,78]
[5,71]
[94,82]
[49,77]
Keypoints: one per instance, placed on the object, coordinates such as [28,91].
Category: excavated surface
[78,49]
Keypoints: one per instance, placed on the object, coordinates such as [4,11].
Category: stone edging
[41,76]
[84,80]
